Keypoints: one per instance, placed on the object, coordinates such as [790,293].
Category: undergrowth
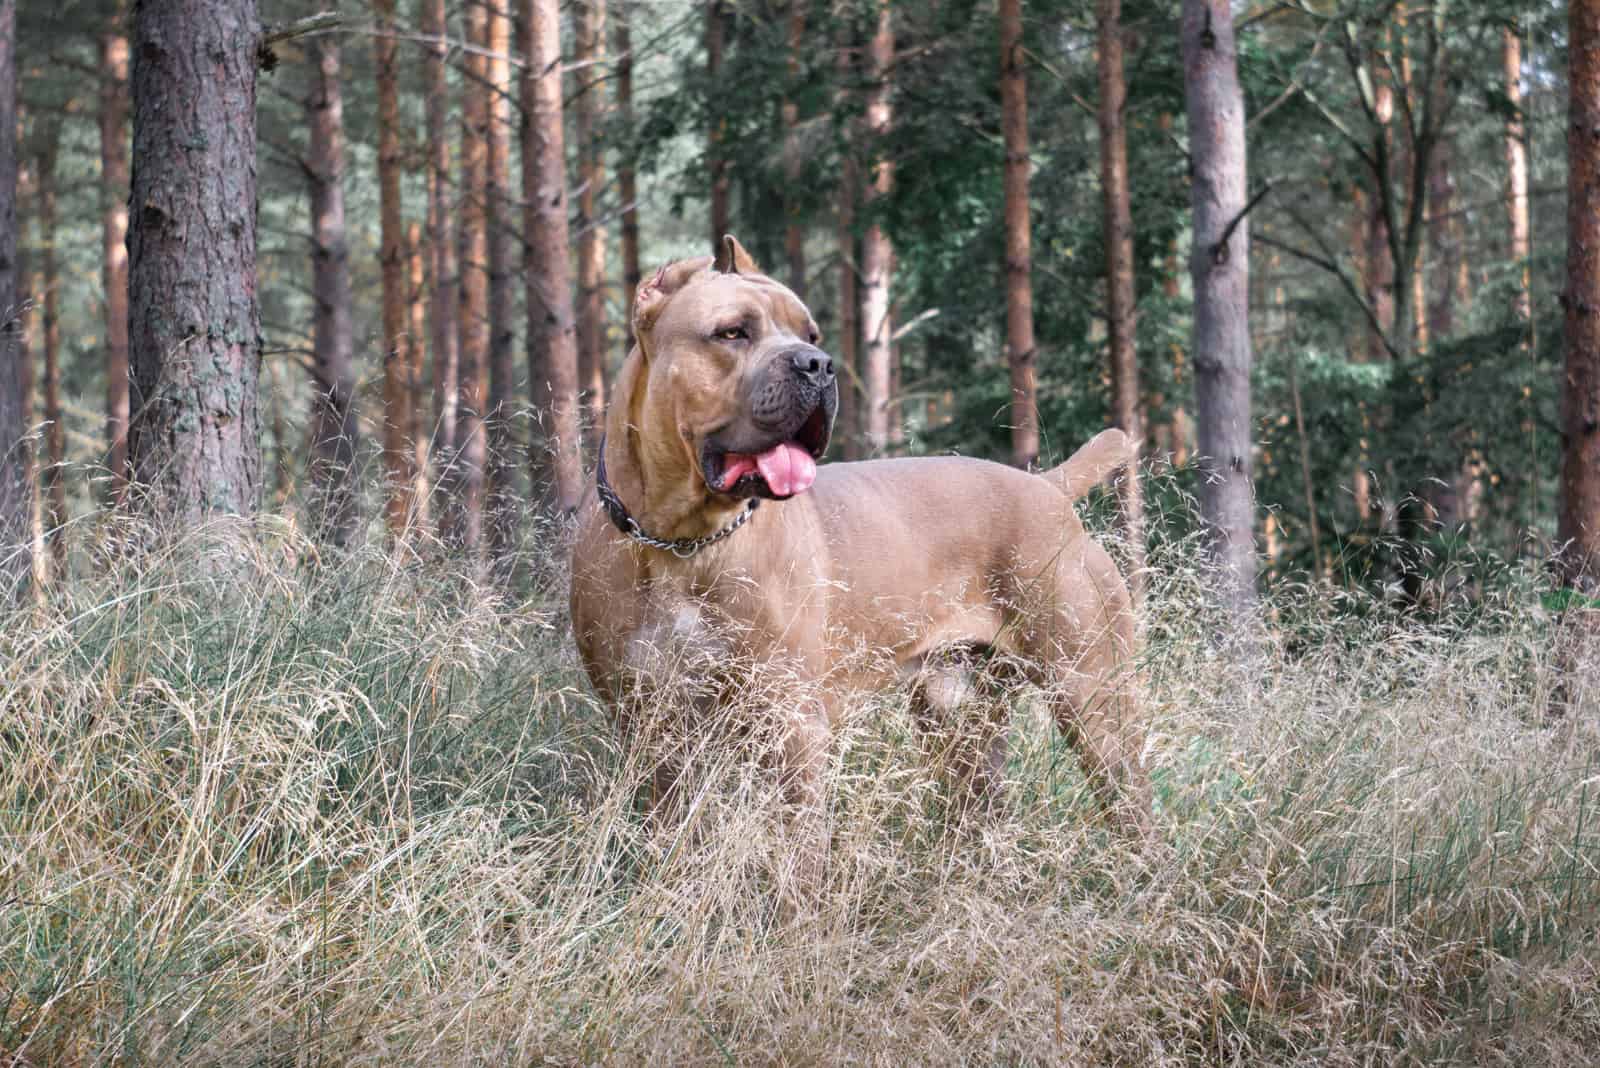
[260,806]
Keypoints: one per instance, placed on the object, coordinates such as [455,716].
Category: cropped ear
[652,294]
[733,259]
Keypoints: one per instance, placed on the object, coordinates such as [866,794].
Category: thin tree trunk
[1220,265]
[1021,352]
[464,481]
[1578,532]
[591,235]
[416,374]
[794,232]
[333,417]
[1444,244]
[443,337]
[1122,322]
[877,253]
[500,474]
[399,341]
[717,164]
[851,399]
[195,332]
[555,450]
[1517,171]
[114,246]
[627,170]
[55,436]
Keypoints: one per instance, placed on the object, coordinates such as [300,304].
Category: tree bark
[877,253]
[794,231]
[399,341]
[1122,321]
[16,498]
[591,235]
[851,400]
[113,46]
[501,468]
[556,446]
[415,430]
[1021,351]
[716,28]
[442,334]
[464,488]
[1578,531]
[335,512]
[55,437]
[627,170]
[1220,268]
[1517,171]
[194,325]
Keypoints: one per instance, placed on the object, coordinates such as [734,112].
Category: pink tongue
[788,468]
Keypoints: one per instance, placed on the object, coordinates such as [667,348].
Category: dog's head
[733,374]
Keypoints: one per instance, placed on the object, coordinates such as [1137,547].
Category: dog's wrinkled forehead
[702,296]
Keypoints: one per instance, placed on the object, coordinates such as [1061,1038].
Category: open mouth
[777,471]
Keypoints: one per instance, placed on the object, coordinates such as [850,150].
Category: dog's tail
[1097,460]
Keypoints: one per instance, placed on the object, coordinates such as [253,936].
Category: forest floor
[257,808]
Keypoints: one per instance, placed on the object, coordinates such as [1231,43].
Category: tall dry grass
[261,809]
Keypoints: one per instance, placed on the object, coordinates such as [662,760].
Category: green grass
[261,809]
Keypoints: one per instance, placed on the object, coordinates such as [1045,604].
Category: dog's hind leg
[1097,709]
[957,706]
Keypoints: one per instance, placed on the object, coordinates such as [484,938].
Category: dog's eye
[732,333]
[813,337]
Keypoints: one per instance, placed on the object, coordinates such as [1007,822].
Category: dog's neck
[658,482]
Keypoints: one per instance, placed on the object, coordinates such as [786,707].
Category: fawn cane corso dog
[726,402]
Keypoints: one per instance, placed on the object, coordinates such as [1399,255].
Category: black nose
[813,365]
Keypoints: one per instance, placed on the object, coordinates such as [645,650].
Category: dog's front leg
[803,758]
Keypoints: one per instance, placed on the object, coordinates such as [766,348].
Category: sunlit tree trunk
[442,334]
[399,404]
[501,470]
[716,163]
[1219,265]
[794,231]
[1578,531]
[877,253]
[1517,170]
[552,340]
[463,483]
[1122,315]
[194,324]
[333,414]
[627,169]
[591,19]
[113,47]
[416,430]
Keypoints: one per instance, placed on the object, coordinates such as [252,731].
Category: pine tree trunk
[500,473]
[399,475]
[1219,265]
[794,232]
[552,339]
[1021,351]
[1122,314]
[1444,244]
[1517,169]
[442,334]
[716,163]
[1578,532]
[591,235]
[877,253]
[336,516]
[464,488]
[851,401]
[627,171]
[194,325]
[16,498]
[55,435]
[114,248]
[416,430]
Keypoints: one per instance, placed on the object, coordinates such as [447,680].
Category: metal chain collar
[682,548]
